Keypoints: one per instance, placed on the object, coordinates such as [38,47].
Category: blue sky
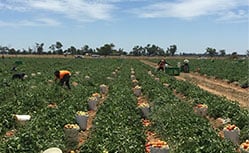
[192,25]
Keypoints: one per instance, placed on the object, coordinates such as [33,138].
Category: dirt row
[84,135]
[214,86]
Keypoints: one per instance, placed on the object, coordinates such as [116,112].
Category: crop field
[226,69]
[183,113]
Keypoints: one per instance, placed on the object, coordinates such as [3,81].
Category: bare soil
[215,86]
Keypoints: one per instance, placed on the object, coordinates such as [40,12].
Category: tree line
[107,50]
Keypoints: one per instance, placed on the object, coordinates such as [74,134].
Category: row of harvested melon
[153,145]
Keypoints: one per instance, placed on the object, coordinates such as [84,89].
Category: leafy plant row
[218,107]
[32,96]
[117,126]
[175,121]
[227,69]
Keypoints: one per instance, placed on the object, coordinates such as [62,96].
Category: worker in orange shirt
[63,76]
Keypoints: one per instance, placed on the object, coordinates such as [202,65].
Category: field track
[214,86]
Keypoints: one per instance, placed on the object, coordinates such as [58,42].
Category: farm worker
[161,65]
[186,66]
[63,76]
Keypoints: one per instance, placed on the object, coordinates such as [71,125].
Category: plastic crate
[172,71]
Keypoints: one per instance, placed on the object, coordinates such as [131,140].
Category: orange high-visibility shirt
[64,72]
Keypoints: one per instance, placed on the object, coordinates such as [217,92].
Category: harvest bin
[172,71]
[81,119]
[71,132]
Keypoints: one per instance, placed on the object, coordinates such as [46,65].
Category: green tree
[24,51]
[137,51]
[172,50]
[39,48]
[52,48]
[222,52]
[153,50]
[72,50]
[211,51]
[30,50]
[12,51]
[107,49]
[58,46]
[121,51]
[167,52]
[150,50]
[18,51]
[87,50]
[4,49]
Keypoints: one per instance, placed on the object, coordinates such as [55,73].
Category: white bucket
[52,150]
[22,117]
[82,121]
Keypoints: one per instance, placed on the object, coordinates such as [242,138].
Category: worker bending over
[63,76]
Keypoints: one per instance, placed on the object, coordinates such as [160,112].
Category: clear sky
[192,25]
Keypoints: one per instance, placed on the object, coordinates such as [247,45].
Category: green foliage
[226,69]
[117,126]
[174,120]
[217,106]
[32,96]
